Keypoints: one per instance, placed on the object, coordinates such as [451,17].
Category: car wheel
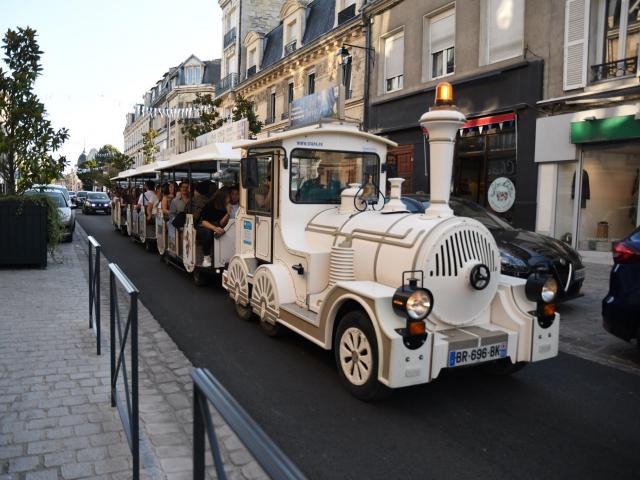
[356,354]
[503,367]
[244,312]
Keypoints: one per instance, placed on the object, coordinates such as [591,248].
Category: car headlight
[93,204]
[541,287]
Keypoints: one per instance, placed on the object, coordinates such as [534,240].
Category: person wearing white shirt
[148,199]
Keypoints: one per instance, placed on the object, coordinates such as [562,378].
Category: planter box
[23,234]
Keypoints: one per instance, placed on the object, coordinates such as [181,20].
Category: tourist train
[318,247]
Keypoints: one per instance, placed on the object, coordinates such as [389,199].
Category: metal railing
[94,289]
[229,37]
[290,47]
[129,416]
[615,69]
[227,83]
[346,14]
[206,390]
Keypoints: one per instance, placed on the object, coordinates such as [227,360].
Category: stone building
[494,54]
[176,89]
[588,132]
[297,57]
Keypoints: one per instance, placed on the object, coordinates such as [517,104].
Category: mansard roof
[320,16]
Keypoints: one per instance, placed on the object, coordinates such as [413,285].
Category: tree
[208,120]
[108,162]
[243,108]
[149,147]
[27,139]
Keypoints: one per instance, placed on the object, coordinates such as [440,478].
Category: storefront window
[565,201]
[609,195]
[482,158]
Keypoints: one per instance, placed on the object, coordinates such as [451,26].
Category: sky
[101,56]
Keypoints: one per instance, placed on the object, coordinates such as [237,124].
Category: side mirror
[249,172]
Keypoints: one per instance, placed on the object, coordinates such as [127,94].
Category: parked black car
[521,252]
[621,306]
[81,196]
[96,202]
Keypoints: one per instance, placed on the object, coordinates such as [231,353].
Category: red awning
[489,120]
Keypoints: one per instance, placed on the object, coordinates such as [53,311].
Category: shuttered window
[394,62]
[576,35]
[504,29]
[442,33]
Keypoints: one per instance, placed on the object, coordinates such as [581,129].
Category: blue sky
[101,56]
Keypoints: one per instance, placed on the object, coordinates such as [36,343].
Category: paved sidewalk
[581,331]
[56,420]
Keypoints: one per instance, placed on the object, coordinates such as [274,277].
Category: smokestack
[395,196]
[442,123]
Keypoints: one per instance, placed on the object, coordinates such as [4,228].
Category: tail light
[623,253]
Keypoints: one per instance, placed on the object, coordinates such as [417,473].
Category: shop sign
[317,106]
[501,195]
[605,130]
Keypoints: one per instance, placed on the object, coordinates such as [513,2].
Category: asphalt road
[562,418]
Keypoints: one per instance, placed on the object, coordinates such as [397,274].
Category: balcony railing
[615,69]
[226,83]
[290,47]
[251,71]
[284,115]
[229,37]
[346,14]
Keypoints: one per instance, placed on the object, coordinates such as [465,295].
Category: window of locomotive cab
[319,176]
[259,197]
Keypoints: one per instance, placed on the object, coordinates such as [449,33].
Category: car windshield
[471,210]
[82,194]
[57,197]
[97,196]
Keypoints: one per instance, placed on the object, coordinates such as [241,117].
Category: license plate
[485,353]
[579,274]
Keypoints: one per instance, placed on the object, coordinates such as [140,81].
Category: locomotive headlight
[412,301]
[419,304]
[541,288]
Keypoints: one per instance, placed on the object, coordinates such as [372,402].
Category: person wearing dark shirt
[213,218]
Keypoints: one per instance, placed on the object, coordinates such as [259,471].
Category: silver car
[67,215]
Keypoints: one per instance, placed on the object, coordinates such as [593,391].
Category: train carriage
[398,297]
[218,162]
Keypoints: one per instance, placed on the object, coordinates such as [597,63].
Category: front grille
[460,247]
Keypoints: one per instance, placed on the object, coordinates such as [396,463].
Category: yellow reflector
[444,94]
[417,328]
[549,309]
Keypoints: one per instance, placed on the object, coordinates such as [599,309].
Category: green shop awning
[605,130]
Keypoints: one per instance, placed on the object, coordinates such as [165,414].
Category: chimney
[395,203]
[442,123]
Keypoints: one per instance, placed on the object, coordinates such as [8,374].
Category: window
[193,75]
[346,76]
[290,92]
[394,62]
[502,31]
[271,115]
[442,34]
[319,176]
[259,198]
[311,83]
[621,34]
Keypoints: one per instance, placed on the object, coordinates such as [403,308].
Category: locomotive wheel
[264,295]
[503,367]
[244,312]
[356,354]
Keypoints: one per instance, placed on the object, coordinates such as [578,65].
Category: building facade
[493,52]
[588,133]
[173,93]
[299,58]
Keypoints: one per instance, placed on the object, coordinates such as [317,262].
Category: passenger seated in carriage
[179,202]
[148,199]
[213,218]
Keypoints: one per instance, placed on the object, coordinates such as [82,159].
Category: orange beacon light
[444,94]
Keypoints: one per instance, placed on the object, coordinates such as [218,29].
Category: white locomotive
[398,297]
